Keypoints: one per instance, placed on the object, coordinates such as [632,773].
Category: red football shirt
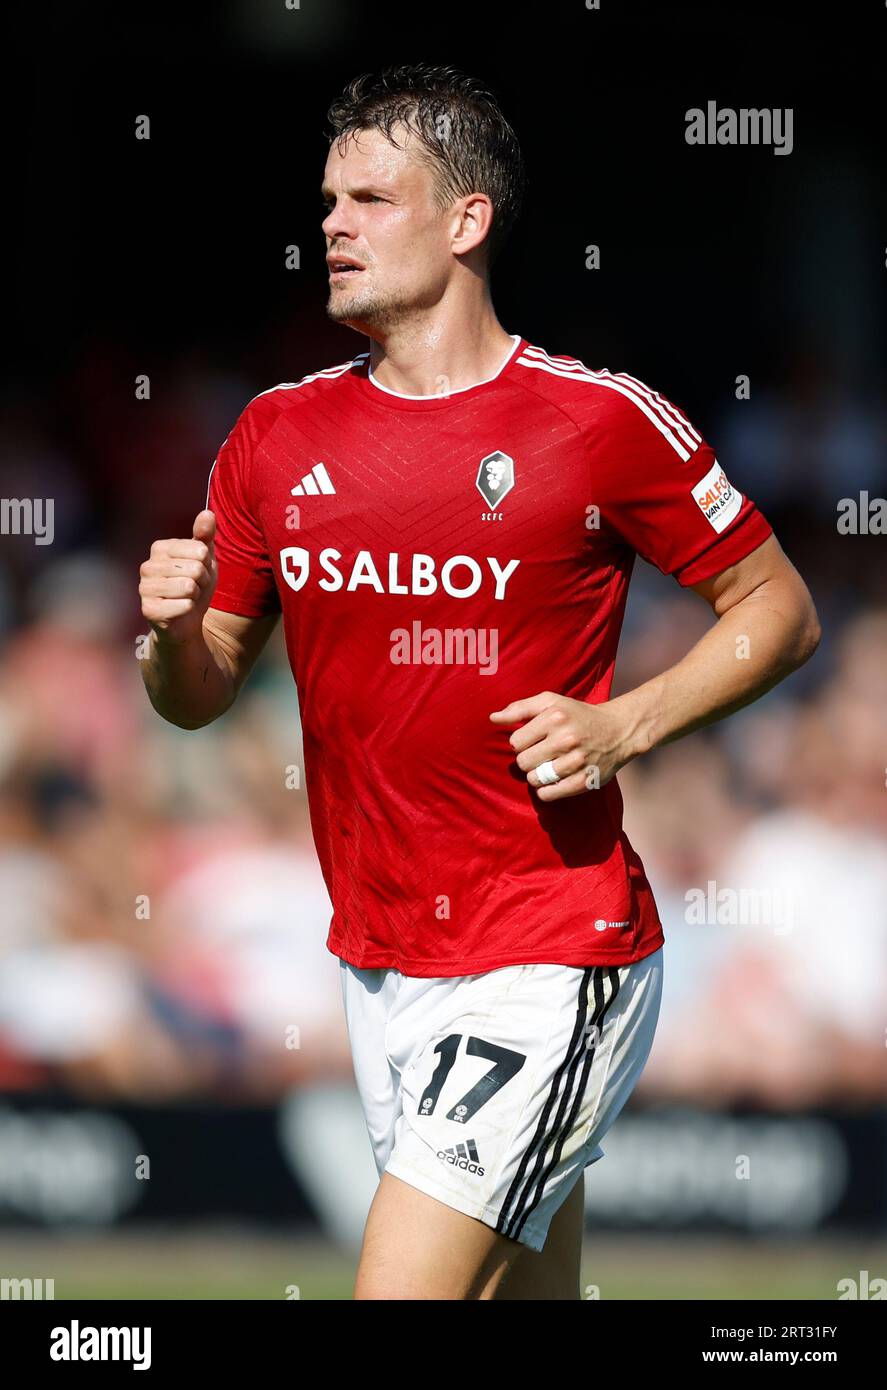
[435,558]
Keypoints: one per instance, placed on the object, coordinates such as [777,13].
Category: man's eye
[330,203]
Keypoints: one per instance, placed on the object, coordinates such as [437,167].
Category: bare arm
[192,683]
[767,627]
[198,656]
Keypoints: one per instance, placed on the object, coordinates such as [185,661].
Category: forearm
[767,627]
[189,683]
[751,648]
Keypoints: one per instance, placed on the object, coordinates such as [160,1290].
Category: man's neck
[437,355]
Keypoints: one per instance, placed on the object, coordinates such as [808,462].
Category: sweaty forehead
[367,156]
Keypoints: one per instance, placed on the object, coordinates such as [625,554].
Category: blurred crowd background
[163,917]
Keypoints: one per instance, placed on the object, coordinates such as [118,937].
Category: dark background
[142,256]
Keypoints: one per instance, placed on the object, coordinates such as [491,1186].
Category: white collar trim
[515,337]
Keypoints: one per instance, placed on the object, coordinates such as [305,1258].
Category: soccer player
[447,523]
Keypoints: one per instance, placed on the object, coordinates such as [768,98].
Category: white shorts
[491,1092]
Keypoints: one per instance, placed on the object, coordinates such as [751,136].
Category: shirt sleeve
[245,581]
[664,491]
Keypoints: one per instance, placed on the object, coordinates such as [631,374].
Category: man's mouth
[342,269]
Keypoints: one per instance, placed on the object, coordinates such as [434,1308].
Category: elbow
[190,723]
[808,635]
[177,719]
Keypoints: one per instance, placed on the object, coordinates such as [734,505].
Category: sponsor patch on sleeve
[716,498]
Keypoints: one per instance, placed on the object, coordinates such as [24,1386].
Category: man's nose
[338,223]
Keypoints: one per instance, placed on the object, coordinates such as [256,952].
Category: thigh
[416,1247]
[553,1272]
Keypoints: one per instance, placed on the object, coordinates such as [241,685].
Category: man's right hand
[178,581]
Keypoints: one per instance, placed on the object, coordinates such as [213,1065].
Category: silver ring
[547,775]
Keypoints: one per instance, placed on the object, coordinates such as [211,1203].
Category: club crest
[495,477]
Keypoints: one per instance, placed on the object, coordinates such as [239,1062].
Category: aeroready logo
[76,1343]
[461,576]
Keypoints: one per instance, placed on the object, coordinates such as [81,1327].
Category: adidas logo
[313,483]
[462,1156]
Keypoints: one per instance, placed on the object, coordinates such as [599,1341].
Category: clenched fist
[178,581]
[584,744]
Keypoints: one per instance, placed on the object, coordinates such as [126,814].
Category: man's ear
[475,221]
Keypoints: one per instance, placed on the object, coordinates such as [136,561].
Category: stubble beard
[366,309]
